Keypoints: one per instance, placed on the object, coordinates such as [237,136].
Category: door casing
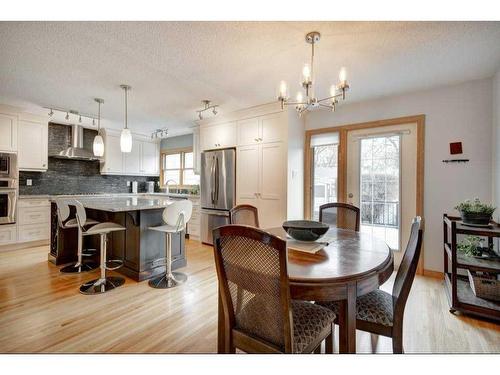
[343,130]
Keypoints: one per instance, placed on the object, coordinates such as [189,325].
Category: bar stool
[103,283]
[79,266]
[175,217]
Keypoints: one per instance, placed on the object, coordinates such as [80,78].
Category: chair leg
[169,279]
[397,341]
[329,341]
[79,266]
[103,283]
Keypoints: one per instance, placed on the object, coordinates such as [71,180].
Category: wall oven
[8,200]
[8,188]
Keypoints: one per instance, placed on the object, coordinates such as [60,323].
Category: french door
[381,178]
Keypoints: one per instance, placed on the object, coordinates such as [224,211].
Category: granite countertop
[124,203]
[109,195]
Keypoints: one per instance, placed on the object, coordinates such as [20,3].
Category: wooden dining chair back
[244,214]
[407,270]
[252,270]
[340,215]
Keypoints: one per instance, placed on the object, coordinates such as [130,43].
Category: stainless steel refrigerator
[218,189]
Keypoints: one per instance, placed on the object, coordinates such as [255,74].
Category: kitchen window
[178,165]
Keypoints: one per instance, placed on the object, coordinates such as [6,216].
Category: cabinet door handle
[256,139]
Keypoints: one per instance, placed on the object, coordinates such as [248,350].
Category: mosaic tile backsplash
[74,176]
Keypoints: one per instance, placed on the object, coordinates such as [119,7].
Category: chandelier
[311,102]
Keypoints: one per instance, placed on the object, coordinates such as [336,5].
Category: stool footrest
[118,262]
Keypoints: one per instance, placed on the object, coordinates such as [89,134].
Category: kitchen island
[141,250]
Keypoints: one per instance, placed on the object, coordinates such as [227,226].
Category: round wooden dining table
[351,265]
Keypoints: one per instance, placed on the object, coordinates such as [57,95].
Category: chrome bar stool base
[166,282]
[79,268]
[99,286]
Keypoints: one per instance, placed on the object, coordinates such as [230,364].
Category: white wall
[496,144]
[455,113]
[295,188]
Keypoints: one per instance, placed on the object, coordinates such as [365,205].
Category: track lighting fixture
[51,113]
[67,116]
[207,106]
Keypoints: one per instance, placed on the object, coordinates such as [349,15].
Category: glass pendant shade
[98,146]
[126,141]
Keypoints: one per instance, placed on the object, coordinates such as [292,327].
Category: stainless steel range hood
[76,150]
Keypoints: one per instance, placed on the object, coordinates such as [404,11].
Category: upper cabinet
[8,132]
[32,144]
[150,162]
[218,136]
[143,160]
[262,129]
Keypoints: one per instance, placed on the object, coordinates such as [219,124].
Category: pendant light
[126,136]
[98,146]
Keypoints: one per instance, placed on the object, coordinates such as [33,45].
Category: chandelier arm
[295,103]
[330,97]
[326,106]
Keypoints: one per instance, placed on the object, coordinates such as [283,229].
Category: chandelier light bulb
[299,97]
[306,73]
[333,90]
[283,90]
[343,75]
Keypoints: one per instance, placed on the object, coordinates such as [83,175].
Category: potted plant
[475,212]
[471,246]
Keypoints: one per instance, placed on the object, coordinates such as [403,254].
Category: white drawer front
[193,229]
[34,232]
[8,234]
[36,215]
[33,203]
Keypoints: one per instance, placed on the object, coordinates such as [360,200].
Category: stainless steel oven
[8,188]
[8,165]
[8,200]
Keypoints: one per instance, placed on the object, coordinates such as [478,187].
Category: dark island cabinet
[141,250]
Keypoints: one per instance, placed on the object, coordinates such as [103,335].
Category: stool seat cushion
[73,223]
[165,228]
[103,228]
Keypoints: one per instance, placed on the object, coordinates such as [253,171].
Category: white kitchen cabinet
[33,220]
[248,174]
[32,145]
[143,160]
[113,157]
[150,158]
[193,226]
[261,181]
[262,129]
[8,234]
[132,159]
[218,136]
[8,132]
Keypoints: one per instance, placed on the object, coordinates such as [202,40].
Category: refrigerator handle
[216,179]
[212,181]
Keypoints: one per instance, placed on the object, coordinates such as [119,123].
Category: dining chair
[253,263]
[340,215]
[380,312]
[244,214]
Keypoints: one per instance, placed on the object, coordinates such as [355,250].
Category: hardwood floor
[41,310]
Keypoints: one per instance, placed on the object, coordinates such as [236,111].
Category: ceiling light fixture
[67,116]
[311,102]
[207,106]
[160,133]
[98,145]
[51,113]
[126,136]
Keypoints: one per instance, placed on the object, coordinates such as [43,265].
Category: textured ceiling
[173,65]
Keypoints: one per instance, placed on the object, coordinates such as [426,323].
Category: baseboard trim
[23,245]
[434,274]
